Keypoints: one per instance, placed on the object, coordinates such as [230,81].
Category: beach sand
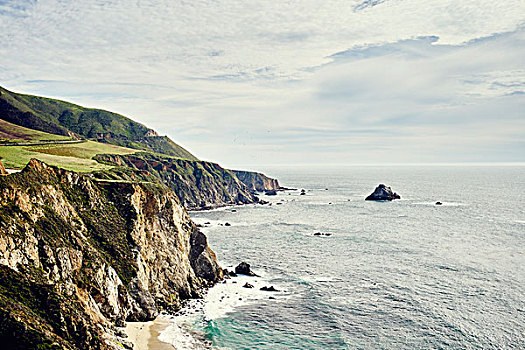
[145,335]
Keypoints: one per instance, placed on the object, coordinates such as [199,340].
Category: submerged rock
[270,193]
[244,269]
[269,289]
[322,234]
[383,193]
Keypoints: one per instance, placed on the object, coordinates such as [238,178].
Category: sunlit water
[401,274]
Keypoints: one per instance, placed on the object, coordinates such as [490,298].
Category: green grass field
[76,157]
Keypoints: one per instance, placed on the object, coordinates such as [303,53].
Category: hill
[67,119]
[19,144]
[92,140]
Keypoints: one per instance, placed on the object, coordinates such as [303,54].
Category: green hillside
[19,144]
[67,119]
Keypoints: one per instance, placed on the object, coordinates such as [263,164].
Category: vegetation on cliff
[257,181]
[198,184]
[82,253]
[79,256]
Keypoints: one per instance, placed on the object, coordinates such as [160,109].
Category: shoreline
[145,335]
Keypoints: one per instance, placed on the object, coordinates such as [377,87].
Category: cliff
[2,169]
[257,181]
[79,256]
[198,184]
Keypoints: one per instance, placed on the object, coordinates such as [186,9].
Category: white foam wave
[220,300]
[182,335]
[225,297]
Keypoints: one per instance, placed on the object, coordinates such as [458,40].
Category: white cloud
[259,74]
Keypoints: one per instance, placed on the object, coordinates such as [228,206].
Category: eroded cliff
[198,184]
[79,256]
[257,181]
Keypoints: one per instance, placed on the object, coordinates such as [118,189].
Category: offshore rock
[80,256]
[383,193]
[269,289]
[244,269]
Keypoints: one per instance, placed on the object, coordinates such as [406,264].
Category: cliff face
[257,181]
[79,256]
[2,169]
[198,184]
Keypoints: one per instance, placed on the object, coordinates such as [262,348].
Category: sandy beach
[145,335]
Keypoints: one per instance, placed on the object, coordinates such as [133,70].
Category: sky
[250,83]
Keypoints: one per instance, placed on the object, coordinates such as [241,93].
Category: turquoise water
[403,274]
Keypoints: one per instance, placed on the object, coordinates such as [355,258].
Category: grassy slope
[76,157]
[16,133]
[63,118]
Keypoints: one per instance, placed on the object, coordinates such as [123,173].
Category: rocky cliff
[198,184]
[2,169]
[257,181]
[80,256]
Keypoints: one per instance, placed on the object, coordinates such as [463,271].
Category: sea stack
[383,193]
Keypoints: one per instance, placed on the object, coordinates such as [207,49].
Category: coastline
[145,335]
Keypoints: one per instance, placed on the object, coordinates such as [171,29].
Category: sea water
[404,274]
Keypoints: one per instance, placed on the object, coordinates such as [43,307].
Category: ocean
[406,274]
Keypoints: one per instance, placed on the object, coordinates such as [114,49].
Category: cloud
[249,82]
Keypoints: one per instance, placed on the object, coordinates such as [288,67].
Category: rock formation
[2,169]
[269,289]
[80,256]
[244,269]
[383,193]
[199,185]
[257,181]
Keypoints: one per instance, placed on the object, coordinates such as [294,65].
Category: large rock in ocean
[383,193]
[244,269]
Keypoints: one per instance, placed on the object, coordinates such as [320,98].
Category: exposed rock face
[383,193]
[269,289]
[2,169]
[257,181]
[79,256]
[244,269]
[198,184]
